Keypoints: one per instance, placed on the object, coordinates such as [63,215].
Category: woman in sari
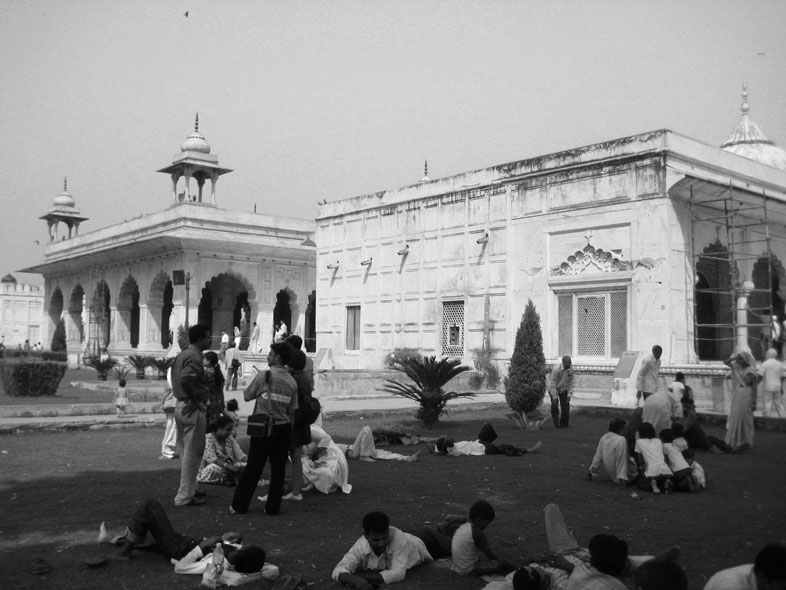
[215,383]
[324,464]
[223,460]
[744,379]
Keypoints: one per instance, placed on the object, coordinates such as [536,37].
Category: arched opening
[714,304]
[765,305]
[205,309]
[159,307]
[310,333]
[99,331]
[226,303]
[56,306]
[282,312]
[75,326]
[128,312]
[167,335]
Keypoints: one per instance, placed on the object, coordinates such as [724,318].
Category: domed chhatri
[748,140]
[195,142]
[64,201]
[9,278]
[63,211]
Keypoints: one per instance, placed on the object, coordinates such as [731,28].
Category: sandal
[41,567]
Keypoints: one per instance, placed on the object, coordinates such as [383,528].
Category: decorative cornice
[591,258]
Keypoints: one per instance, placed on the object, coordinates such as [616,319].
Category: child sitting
[677,429]
[650,459]
[698,480]
[676,461]
[470,545]
[683,393]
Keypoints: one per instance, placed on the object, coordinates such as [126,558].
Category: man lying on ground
[382,555]
[484,445]
[364,449]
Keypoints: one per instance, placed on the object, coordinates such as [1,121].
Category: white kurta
[330,472]
[611,460]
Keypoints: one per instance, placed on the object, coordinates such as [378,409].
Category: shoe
[262,498]
[200,494]
[291,496]
[194,502]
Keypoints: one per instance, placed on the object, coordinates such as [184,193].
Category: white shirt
[465,555]
[674,457]
[404,551]
[611,458]
[467,447]
[771,371]
[734,578]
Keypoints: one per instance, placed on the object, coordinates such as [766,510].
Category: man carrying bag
[269,427]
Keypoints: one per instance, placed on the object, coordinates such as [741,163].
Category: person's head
[223,332]
[657,351]
[689,456]
[122,383]
[280,354]
[646,430]
[680,376]
[608,553]
[661,574]
[771,353]
[666,435]
[481,514]
[211,358]
[770,568]
[296,341]
[617,425]
[298,360]
[531,578]
[744,357]
[566,362]
[677,429]
[376,530]
[199,335]
[223,426]
[247,560]
[232,405]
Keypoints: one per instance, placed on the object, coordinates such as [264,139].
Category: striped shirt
[283,394]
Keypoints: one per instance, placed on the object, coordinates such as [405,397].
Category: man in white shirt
[647,379]
[611,460]
[381,556]
[560,389]
[767,573]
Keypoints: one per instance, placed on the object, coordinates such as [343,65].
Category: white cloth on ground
[329,472]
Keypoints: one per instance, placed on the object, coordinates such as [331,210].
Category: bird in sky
[186,14]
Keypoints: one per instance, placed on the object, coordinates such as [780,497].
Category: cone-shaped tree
[59,337]
[526,382]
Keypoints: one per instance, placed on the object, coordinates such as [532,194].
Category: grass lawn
[55,489]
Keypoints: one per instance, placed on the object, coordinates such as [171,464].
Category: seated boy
[611,460]
[381,556]
[470,545]
[151,518]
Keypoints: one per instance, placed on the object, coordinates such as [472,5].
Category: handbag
[261,425]
[169,403]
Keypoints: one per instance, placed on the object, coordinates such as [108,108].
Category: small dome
[9,278]
[748,140]
[195,142]
[64,199]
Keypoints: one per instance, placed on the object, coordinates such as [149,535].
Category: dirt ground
[55,489]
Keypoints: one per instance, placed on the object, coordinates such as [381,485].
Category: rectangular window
[353,327]
[453,328]
[592,324]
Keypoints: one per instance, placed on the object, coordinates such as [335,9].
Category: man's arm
[570,377]
[482,543]
[640,377]
[256,388]
[552,380]
[346,572]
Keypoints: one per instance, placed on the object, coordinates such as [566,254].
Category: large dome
[748,141]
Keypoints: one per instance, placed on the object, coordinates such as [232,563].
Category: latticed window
[592,324]
[453,328]
[353,327]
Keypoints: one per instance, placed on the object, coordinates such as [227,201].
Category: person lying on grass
[364,449]
[382,555]
[484,445]
[471,554]
[151,518]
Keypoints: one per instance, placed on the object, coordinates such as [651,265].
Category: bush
[139,363]
[429,376]
[31,378]
[102,367]
[162,365]
[526,382]
[119,372]
[400,355]
[59,337]
[51,355]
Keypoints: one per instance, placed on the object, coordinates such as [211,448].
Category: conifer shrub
[31,377]
[525,385]
[59,337]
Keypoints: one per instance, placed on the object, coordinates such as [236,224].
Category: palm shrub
[102,367]
[139,363]
[429,375]
[162,365]
[59,337]
[31,377]
[525,385]
[119,372]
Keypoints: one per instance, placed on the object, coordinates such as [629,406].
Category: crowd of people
[652,450]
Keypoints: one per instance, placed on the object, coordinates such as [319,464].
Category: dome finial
[196,123]
[425,168]
[744,107]
[65,183]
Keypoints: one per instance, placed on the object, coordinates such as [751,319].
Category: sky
[317,100]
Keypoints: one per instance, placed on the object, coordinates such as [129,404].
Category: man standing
[647,380]
[190,388]
[254,338]
[222,349]
[232,366]
[561,390]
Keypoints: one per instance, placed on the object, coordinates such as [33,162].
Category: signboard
[623,381]
[626,364]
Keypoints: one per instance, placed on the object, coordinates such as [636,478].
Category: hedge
[44,355]
[31,377]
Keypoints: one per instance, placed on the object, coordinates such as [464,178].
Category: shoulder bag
[261,425]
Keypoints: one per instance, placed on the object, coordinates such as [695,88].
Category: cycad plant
[102,367]
[139,363]
[429,376]
[162,365]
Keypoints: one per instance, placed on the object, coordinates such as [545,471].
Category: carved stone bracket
[591,259]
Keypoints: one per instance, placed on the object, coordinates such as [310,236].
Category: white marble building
[21,313]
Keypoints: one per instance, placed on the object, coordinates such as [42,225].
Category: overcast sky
[328,100]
